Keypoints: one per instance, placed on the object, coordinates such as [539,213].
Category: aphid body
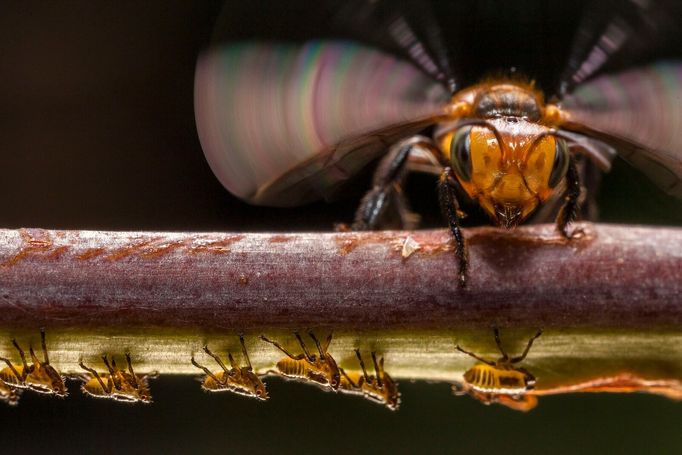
[239,380]
[500,381]
[380,387]
[117,384]
[8,394]
[320,370]
[39,376]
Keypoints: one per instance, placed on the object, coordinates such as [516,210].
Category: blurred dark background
[97,132]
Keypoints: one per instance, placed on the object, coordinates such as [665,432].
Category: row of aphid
[125,385]
[489,381]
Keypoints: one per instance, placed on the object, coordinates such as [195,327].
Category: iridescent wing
[639,112]
[285,124]
[616,95]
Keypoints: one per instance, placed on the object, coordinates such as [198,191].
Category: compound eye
[561,159]
[460,153]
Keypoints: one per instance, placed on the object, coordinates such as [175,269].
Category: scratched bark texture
[613,277]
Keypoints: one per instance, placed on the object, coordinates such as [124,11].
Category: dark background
[97,132]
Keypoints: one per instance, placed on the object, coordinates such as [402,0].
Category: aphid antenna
[110,366]
[362,365]
[233,364]
[216,358]
[527,349]
[311,358]
[498,342]
[317,343]
[94,374]
[244,352]
[328,341]
[279,346]
[376,369]
[130,369]
[205,370]
[14,370]
[348,378]
[44,345]
[471,354]
[21,352]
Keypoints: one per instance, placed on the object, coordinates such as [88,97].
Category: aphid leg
[233,364]
[108,365]
[21,354]
[217,359]
[480,359]
[449,207]
[362,365]
[327,342]
[570,208]
[376,369]
[350,381]
[32,353]
[43,344]
[112,371]
[528,346]
[130,369]
[207,371]
[459,389]
[305,349]
[113,364]
[278,346]
[387,179]
[321,349]
[20,377]
[496,331]
[96,375]
[244,353]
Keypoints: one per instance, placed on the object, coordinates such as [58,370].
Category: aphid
[40,376]
[9,395]
[284,124]
[119,385]
[321,369]
[500,381]
[241,380]
[379,387]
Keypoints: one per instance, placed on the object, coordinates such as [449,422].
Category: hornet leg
[569,210]
[387,184]
[449,207]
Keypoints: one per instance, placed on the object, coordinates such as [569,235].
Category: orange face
[508,164]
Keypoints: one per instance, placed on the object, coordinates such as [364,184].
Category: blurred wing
[639,112]
[283,125]
[408,28]
[617,34]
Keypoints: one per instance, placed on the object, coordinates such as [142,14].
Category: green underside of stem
[558,357]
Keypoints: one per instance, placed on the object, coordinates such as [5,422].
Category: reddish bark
[615,276]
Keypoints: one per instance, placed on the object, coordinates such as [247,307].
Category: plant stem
[613,277]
